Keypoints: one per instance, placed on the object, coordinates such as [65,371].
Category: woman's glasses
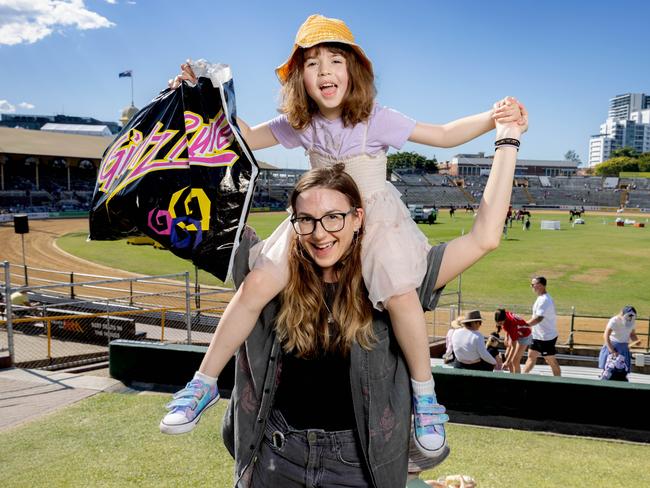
[331,222]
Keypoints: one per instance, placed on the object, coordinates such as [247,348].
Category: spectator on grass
[469,345]
[619,332]
[544,330]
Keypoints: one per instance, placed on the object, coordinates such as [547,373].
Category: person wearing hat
[469,345]
[449,357]
[619,333]
[329,109]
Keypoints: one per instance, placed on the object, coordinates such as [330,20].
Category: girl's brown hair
[302,324]
[357,104]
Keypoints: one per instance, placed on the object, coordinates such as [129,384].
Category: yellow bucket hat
[316,30]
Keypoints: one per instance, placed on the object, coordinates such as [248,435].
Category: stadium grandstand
[43,171]
[37,122]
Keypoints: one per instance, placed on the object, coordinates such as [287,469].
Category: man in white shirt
[544,328]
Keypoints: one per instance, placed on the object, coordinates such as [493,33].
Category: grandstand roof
[265,165]
[41,143]
[460,159]
[83,129]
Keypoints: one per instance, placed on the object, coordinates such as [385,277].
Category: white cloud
[28,21]
[26,105]
[6,107]
[112,2]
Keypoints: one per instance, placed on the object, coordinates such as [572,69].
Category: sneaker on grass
[187,406]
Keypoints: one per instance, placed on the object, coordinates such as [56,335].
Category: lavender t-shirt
[386,127]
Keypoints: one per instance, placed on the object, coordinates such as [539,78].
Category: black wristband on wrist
[507,141]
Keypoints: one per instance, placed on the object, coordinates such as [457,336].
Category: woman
[321,388]
[619,332]
[469,345]
[518,338]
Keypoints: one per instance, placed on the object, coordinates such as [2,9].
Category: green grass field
[596,267]
[112,440]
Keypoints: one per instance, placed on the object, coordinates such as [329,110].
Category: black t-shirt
[315,393]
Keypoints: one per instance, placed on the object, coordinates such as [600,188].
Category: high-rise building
[621,107]
[627,125]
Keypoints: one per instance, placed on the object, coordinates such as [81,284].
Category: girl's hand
[512,129]
[506,110]
[186,74]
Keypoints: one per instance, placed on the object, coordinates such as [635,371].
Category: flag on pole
[126,74]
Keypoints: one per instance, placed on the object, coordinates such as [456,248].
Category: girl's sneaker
[187,406]
[429,418]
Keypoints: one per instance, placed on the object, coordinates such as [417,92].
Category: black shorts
[545,348]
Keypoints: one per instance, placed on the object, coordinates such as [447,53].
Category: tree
[412,160]
[571,155]
[624,152]
[614,166]
[644,162]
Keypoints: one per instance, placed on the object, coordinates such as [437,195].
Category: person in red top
[519,334]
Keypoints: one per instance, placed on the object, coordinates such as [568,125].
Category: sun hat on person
[458,322]
[316,30]
[472,316]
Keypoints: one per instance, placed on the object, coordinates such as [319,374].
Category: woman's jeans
[622,348]
[291,458]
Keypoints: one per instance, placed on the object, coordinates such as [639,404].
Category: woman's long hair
[302,324]
[357,104]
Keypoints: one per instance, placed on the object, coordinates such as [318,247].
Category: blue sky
[434,60]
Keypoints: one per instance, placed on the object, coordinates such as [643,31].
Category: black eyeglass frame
[294,222]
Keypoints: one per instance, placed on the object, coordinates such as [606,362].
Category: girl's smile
[325,74]
[327,248]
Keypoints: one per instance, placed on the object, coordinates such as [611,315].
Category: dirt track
[42,252]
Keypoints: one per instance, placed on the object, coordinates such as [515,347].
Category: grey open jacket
[381,389]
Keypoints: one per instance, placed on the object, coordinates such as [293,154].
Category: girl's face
[327,247]
[326,78]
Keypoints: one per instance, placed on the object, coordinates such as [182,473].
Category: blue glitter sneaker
[187,406]
[429,418]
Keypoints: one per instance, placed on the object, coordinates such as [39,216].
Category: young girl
[328,105]
[519,334]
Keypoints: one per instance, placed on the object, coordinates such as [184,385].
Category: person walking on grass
[544,328]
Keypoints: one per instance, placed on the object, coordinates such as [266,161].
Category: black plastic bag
[180,173]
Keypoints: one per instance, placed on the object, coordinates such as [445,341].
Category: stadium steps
[528,195]
[467,195]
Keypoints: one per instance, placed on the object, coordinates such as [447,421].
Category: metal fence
[63,323]
[71,317]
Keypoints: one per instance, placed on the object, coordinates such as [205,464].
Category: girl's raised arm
[463,130]
[485,235]
[258,137]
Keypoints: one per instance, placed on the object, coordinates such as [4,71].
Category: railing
[78,314]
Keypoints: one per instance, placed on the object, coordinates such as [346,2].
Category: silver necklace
[330,315]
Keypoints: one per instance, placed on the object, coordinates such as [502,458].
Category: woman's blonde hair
[302,324]
[298,106]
